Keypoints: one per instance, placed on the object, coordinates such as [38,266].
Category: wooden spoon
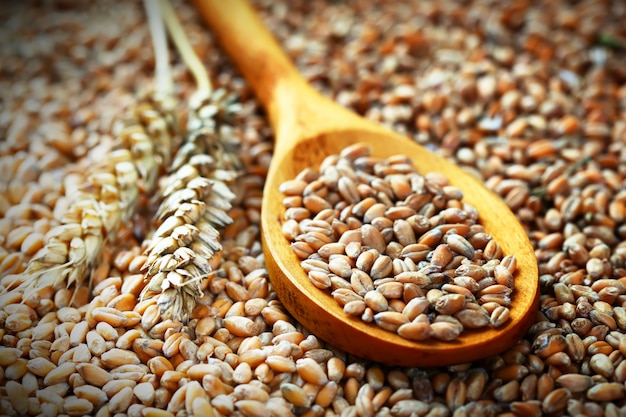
[308,127]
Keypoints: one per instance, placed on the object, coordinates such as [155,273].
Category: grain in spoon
[309,127]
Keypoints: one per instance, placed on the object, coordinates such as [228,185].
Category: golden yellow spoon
[308,127]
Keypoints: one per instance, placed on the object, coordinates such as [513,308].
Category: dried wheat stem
[110,193]
[184,47]
[162,71]
[185,248]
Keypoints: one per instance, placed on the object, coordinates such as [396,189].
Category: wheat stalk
[185,248]
[109,195]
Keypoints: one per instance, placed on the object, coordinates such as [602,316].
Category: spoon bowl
[308,127]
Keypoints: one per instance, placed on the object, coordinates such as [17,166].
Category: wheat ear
[185,248]
[110,193]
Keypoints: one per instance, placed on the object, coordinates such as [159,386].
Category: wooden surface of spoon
[307,128]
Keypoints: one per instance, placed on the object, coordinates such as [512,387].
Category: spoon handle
[249,45]
[284,93]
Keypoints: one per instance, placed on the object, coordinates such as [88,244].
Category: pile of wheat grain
[530,96]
